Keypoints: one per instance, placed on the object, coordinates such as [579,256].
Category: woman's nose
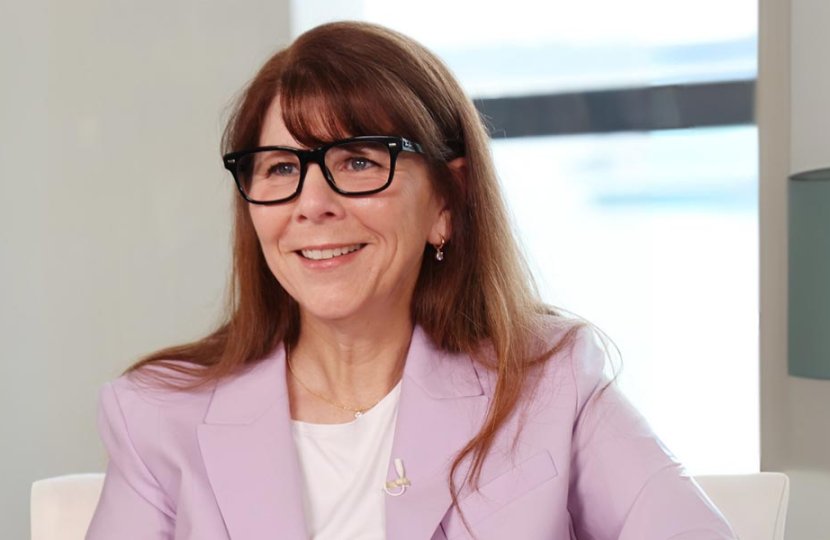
[317,201]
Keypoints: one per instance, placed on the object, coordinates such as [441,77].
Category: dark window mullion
[722,103]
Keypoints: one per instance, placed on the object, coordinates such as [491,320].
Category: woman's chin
[348,313]
[332,312]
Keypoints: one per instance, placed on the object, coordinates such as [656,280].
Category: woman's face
[349,257]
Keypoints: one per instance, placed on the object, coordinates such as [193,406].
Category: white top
[345,468]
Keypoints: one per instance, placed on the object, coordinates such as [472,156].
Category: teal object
[809,274]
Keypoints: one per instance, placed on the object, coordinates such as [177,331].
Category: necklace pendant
[358,414]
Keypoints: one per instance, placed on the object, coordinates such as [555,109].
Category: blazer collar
[247,396]
[442,405]
[249,454]
[251,460]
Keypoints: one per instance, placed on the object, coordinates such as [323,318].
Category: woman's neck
[351,364]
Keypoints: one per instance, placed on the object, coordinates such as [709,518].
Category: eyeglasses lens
[359,166]
[354,167]
[270,175]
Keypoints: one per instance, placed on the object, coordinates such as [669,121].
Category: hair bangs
[320,105]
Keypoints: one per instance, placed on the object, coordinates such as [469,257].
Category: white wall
[114,207]
[793,115]
[114,214]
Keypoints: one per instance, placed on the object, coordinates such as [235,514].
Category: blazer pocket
[501,491]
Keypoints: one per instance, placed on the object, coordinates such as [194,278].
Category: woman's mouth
[324,254]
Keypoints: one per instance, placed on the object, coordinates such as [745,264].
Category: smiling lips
[323,254]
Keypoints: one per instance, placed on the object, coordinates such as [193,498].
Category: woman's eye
[282,169]
[359,163]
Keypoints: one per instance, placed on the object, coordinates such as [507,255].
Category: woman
[386,369]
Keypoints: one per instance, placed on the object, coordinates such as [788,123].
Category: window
[640,210]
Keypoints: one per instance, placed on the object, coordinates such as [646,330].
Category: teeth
[322,254]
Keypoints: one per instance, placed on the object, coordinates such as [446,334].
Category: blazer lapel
[249,454]
[442,406]
[251,461]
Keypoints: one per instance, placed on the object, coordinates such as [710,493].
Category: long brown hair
[349,79]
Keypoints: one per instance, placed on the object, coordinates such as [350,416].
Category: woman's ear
[458,168]
[442,230]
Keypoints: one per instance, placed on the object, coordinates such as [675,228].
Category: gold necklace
[358,412]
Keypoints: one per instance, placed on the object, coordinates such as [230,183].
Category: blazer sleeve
[132,504]
[625,484]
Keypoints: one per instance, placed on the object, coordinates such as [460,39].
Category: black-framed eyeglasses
[353,167]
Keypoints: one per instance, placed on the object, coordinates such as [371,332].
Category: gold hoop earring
[439,250]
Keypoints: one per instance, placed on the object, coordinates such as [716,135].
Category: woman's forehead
[274,131]
[314,119]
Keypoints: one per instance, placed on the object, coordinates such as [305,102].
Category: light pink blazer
[221,463]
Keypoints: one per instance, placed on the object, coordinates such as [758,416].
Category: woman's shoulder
[153,398]
[572,343]
[568,361]
[174,391]
[146,423]
[576,360]
[163,383]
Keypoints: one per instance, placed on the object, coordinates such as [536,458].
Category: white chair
[754,504]
[62,507]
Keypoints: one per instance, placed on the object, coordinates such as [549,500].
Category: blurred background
[627,142]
